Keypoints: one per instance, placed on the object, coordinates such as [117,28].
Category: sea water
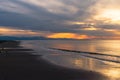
[106,59]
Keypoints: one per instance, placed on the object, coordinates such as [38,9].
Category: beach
[17,63]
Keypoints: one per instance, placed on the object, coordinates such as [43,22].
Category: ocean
[94,55]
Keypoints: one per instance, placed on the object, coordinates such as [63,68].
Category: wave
[105,57]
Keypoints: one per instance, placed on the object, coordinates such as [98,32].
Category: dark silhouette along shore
[18,63]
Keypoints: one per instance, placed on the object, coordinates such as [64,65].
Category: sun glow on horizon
[68,36]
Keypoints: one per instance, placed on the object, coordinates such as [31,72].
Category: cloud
[20,32]
[60,16]
[55,10]
[54,6]
[105,9]
[11,6]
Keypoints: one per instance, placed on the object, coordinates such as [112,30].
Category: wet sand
[17,63]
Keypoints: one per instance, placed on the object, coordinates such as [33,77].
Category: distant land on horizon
[39,38]
[21,38]
[31,38]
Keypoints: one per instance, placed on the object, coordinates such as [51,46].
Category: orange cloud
[12,32]
[68,35]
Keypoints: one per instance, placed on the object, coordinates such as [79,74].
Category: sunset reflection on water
[109,66]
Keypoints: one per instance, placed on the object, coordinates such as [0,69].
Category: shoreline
[20,64]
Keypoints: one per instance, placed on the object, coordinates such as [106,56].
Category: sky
[76,19]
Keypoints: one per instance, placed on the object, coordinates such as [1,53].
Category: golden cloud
[13,32]
[69,35]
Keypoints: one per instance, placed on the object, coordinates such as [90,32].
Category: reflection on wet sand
[113,73]
[110,69]
[82,63]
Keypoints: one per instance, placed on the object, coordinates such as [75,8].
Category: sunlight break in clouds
[110,16]
[107,11]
